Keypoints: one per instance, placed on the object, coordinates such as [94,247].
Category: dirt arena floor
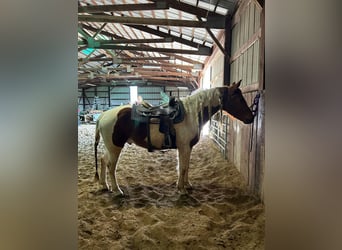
[217,214]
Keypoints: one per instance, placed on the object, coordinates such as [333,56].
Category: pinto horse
[116,128]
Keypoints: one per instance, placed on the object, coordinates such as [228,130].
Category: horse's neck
[204,104]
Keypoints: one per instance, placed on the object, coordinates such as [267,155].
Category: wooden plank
[108,59]
[260,149]
[244,69]
[249,65]
[256,36]
[246,24]
[201,51]
[228,46]
[256,65]
[161,5]
[190,9]
[161,73]
[150,21]
[163,34]
[257,19]
[251,30]
[262,52]
[126,41]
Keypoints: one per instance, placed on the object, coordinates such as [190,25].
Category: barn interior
[169,48]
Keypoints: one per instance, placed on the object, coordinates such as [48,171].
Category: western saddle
[165,115]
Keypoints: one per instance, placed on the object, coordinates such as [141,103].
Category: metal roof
[132,42]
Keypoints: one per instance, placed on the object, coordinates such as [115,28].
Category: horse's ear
[238,84]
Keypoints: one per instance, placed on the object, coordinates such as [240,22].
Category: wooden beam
[184,59]
[131,58]
[216,24]
[163,34]
[163,73]
[126,41]
[190,8]
[160,5]
[201,51]
[155,32]
[217,42]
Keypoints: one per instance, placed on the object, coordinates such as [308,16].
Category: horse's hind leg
[114,157]
[104,166]
[183,167]
[187,183]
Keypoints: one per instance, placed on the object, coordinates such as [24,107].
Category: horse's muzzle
[249,120]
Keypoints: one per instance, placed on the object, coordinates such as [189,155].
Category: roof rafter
[190,9]
[216,22]
[159,5]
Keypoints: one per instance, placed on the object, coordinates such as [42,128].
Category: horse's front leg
[183,166]
[114,157]
[104,166]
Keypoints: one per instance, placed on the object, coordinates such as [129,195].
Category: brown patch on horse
[125,128]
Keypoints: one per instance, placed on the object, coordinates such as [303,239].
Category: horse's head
[235,104]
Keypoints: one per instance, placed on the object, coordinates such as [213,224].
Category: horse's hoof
[188,186]
[118,193]
[182,191]
[104,187]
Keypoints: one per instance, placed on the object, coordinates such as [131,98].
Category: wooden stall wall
[213,72]
[246,142]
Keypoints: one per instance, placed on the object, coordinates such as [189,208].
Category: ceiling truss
[152,43]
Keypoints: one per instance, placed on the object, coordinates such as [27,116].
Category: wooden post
[227,45]
[109,97]
[83,98]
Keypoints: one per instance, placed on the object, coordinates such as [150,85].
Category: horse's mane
[203,98]
[199,99]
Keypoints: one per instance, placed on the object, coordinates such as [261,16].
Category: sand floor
[218,213]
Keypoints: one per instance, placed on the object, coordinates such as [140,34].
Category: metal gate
[219,131]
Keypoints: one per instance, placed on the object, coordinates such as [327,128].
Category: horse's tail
[97,140]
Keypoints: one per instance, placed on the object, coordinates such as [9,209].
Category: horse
[116,128]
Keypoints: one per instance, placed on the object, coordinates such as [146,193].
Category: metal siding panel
[119,96]
[151,94]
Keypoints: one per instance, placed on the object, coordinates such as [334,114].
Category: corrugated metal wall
[109,97]
[247,141]
[151,94]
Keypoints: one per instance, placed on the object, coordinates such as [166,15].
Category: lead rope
[254,108]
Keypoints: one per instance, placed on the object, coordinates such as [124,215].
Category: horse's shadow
[165,195]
